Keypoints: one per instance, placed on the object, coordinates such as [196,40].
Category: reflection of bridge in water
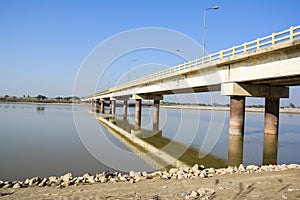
[162,152]
[157,150]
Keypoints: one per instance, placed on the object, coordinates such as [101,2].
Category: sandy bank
[283,184]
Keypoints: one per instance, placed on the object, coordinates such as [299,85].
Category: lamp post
[133,60]
[204,31]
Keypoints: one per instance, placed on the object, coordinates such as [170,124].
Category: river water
[45,140]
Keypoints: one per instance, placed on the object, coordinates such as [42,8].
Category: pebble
[133,177]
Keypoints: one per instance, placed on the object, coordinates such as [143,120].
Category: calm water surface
[42,140]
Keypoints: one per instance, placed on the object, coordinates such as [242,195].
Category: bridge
[265,67]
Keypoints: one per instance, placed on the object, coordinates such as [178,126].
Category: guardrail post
[258,43]
[291,33]
[245,47]
[210,58]
[273,38]
[221,54]
[233,51]
[191,64]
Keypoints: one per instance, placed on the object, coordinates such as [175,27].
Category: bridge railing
[275,38]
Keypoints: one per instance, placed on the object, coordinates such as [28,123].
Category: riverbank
[247,109]
[250,182]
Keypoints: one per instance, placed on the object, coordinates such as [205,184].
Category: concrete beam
[148,96]
[251,90]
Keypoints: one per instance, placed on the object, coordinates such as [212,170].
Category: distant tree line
[40,99]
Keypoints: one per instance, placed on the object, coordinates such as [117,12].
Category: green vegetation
[39,99]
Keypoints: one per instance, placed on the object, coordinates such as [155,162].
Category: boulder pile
[132,177]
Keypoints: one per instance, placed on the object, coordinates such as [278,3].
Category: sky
[43,43]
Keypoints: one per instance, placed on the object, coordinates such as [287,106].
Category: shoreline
[216,108]
[176,183]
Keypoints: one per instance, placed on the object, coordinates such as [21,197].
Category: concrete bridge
[265,67]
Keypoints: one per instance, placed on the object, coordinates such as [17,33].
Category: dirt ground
[267,185]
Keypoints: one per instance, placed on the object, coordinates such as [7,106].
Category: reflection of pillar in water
[270,149]
[138,113]
[125,108]
[102,106]
[112,119]
[112,107]
[156,115]
[97,105]
[235,150]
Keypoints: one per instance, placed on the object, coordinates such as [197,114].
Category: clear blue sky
[44,42]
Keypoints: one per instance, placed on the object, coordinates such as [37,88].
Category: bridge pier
[237,115]
[271,115]
[138,113]
[156,105]
[113,106]
[125,109]
[102,106]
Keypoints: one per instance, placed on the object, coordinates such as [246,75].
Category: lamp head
[216,7]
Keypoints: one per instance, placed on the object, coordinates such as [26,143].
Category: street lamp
[204,32]
[133,60]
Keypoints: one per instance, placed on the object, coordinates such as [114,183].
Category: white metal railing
[275,38]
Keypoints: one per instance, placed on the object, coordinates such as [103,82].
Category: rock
[211,171]
[293,166]
[186,169]
[1,184]
[53,179]
[7,184]
[132,181]
[173,170]
[43,182]
[241,168]
[202,175]
[194,194]
[144,174]
[164,187]
[87,178]
[205,192]
[131,173]
[16,185]
[229,170]
[195,168]
[67,177]
[34,181]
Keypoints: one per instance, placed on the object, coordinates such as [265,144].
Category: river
[45,140]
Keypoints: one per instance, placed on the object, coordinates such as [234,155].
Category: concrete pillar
[237,115]
[270,149]
[125,109]
[235,150]
[112,107]
[271,116]
[156,106]
[102,106]
[138,113]
[97,101]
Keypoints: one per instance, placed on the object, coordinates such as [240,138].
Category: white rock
[67,177]
[194,194]
[195,168]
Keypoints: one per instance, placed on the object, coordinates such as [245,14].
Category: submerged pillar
[156,106]
[271,116]
[112,107]
[237,115]
[235,150]
[138,113]
[270,149]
